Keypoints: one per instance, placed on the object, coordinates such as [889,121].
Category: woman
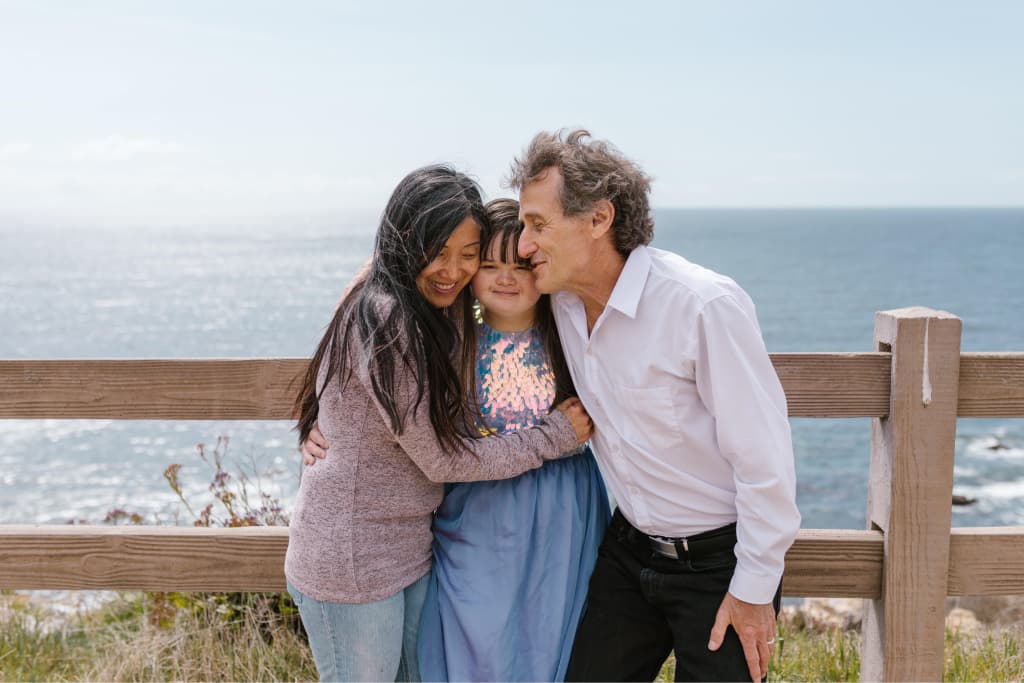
[384,389]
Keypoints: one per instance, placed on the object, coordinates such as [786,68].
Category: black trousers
[642,605]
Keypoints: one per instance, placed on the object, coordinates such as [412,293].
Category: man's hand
[755,625]
[578,418]
[314,447]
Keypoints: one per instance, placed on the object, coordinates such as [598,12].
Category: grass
[150,637]
[992,656]
[134,639]
[30,653]
[834,655]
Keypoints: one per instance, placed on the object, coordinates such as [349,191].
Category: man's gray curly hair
[591,170]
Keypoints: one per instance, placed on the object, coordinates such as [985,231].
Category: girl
[388,397]
[512,558]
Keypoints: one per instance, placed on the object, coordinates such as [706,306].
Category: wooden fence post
[909,495]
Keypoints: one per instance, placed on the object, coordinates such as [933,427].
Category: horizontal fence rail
[810,381]
[154,558]
[822,562]
[214,389]
[991,385]
[263,389]
[816,385]
[840,562]
[986,561]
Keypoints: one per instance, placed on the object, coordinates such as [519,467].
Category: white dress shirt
[690,424]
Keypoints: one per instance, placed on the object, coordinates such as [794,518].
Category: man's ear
[602,216]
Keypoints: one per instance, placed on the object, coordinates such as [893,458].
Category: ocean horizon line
[361,220]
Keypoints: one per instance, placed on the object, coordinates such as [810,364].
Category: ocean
[816,275]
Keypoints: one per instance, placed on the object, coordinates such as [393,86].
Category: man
[691,429]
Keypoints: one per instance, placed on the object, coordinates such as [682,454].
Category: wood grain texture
[991,385]
[986,561]
[822,562]
[142,558]
[834,563]
[909,493]
[816,384]
[834,384]
[245,389]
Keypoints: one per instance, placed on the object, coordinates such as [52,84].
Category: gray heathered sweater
[361,526]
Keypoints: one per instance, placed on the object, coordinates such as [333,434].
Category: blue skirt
[512,560]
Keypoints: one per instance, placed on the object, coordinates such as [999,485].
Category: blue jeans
[373,641]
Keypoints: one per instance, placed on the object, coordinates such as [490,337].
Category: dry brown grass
[134,639]
[123,641]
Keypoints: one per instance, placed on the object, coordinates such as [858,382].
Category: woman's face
[455,265]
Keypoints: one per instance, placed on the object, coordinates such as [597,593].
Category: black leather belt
[683,547]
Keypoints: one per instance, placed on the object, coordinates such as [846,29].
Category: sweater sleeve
[492,457]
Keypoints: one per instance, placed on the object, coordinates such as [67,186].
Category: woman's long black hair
[503,225]
[385,307]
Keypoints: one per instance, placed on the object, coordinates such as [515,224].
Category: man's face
[557,245]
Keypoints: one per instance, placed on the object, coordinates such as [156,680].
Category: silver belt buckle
[664,548]
[668,549]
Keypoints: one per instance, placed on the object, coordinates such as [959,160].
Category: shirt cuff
[754,588]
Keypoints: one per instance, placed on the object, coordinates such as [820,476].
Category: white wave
[997,490]
[993,447]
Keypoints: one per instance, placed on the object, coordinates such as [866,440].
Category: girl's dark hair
[386,306]
[503,225]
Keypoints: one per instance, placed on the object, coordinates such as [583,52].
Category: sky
[215,111]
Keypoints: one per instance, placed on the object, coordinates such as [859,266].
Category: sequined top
[514,381]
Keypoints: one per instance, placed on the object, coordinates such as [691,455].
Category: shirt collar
[625,296]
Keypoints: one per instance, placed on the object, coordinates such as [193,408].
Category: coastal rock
[826,614]
[49,610]
[991,610]
[994,444]
[963,621]
[963,500]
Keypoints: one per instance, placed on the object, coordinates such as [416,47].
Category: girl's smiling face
[505,288]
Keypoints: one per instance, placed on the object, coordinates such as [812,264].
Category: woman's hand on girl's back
[314,447]
[578,418]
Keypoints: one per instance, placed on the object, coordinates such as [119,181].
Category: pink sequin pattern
[514,381]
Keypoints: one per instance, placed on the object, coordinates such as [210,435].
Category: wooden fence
[913,386]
